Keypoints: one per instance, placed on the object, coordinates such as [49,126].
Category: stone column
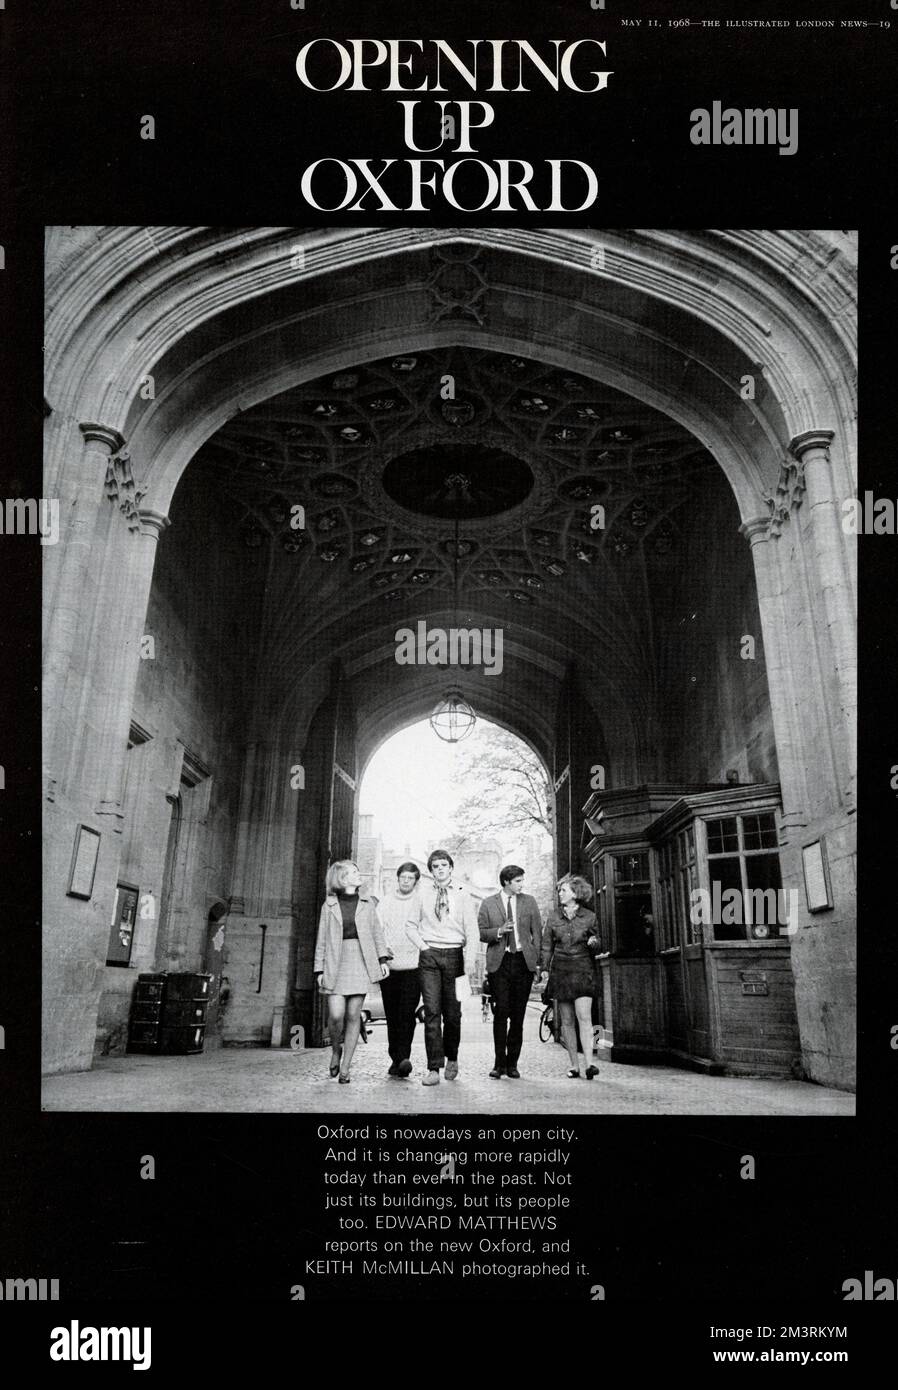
[802,566]
[262,879]
[65,574]
[121,634]
[828,544]
[787,725]
[262,892]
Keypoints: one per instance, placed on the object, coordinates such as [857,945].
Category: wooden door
[579,752]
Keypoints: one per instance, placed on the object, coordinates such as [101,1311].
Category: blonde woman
[350,954]
[566,958]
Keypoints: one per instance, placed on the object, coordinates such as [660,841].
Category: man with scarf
[443,926]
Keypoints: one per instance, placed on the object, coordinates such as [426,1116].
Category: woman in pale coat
[350,954]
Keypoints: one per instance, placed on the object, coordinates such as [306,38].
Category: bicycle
[549,1028]
[487,1007]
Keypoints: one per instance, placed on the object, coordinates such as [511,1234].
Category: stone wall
[714,705]
[191,707]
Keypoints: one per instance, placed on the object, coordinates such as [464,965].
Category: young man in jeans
[444,928]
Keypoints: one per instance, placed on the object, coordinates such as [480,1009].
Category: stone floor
[278,1080]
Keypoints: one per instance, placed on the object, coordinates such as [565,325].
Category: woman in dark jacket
[569,940]
[350,954]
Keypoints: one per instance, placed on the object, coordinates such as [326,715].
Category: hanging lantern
[453,718]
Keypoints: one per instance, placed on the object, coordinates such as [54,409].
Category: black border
[660,1214]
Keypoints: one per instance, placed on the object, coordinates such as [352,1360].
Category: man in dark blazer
[510,924]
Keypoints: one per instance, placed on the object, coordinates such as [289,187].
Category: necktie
[442,903]
[509,917]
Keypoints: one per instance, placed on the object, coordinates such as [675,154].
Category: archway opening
[488,800]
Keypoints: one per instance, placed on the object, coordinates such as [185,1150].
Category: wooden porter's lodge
[636,482]
[682,978]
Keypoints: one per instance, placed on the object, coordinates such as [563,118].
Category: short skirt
[571,977]
[352,974]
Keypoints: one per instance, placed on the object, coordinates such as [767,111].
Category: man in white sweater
[444,928]
[401,989]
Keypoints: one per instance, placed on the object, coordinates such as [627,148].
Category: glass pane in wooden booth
[766,906]
[727,908]
[759,832]
[722,836]
[601,905]
[631,868]
[635,930]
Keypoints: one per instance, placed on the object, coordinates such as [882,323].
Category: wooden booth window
[632,904]
[601,905]
[677,879]
[668,922]
[743,860]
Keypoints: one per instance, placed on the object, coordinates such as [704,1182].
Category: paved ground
[264,1080]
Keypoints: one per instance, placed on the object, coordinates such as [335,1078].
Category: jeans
[510,988]
[439,968]
[400,992]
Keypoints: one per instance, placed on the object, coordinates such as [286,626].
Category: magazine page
[433,524]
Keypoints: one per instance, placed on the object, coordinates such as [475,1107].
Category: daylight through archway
[489,800]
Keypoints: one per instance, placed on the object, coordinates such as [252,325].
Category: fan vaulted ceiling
[546,472]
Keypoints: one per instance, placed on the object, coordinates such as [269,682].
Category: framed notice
[84,862]
[816,876]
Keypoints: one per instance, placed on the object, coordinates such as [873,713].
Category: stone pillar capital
[152,523]
[786,497]
[757,528]
[811,440]
[103,434]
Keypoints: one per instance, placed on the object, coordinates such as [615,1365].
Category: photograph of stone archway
[595,480]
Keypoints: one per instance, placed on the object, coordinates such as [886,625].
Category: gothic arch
[158,301]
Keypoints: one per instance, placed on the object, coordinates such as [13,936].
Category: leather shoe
[404,1068]
[497,1072]
[513,1073]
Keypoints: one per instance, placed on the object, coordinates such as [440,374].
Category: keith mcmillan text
[381,1267]
[408,1267]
